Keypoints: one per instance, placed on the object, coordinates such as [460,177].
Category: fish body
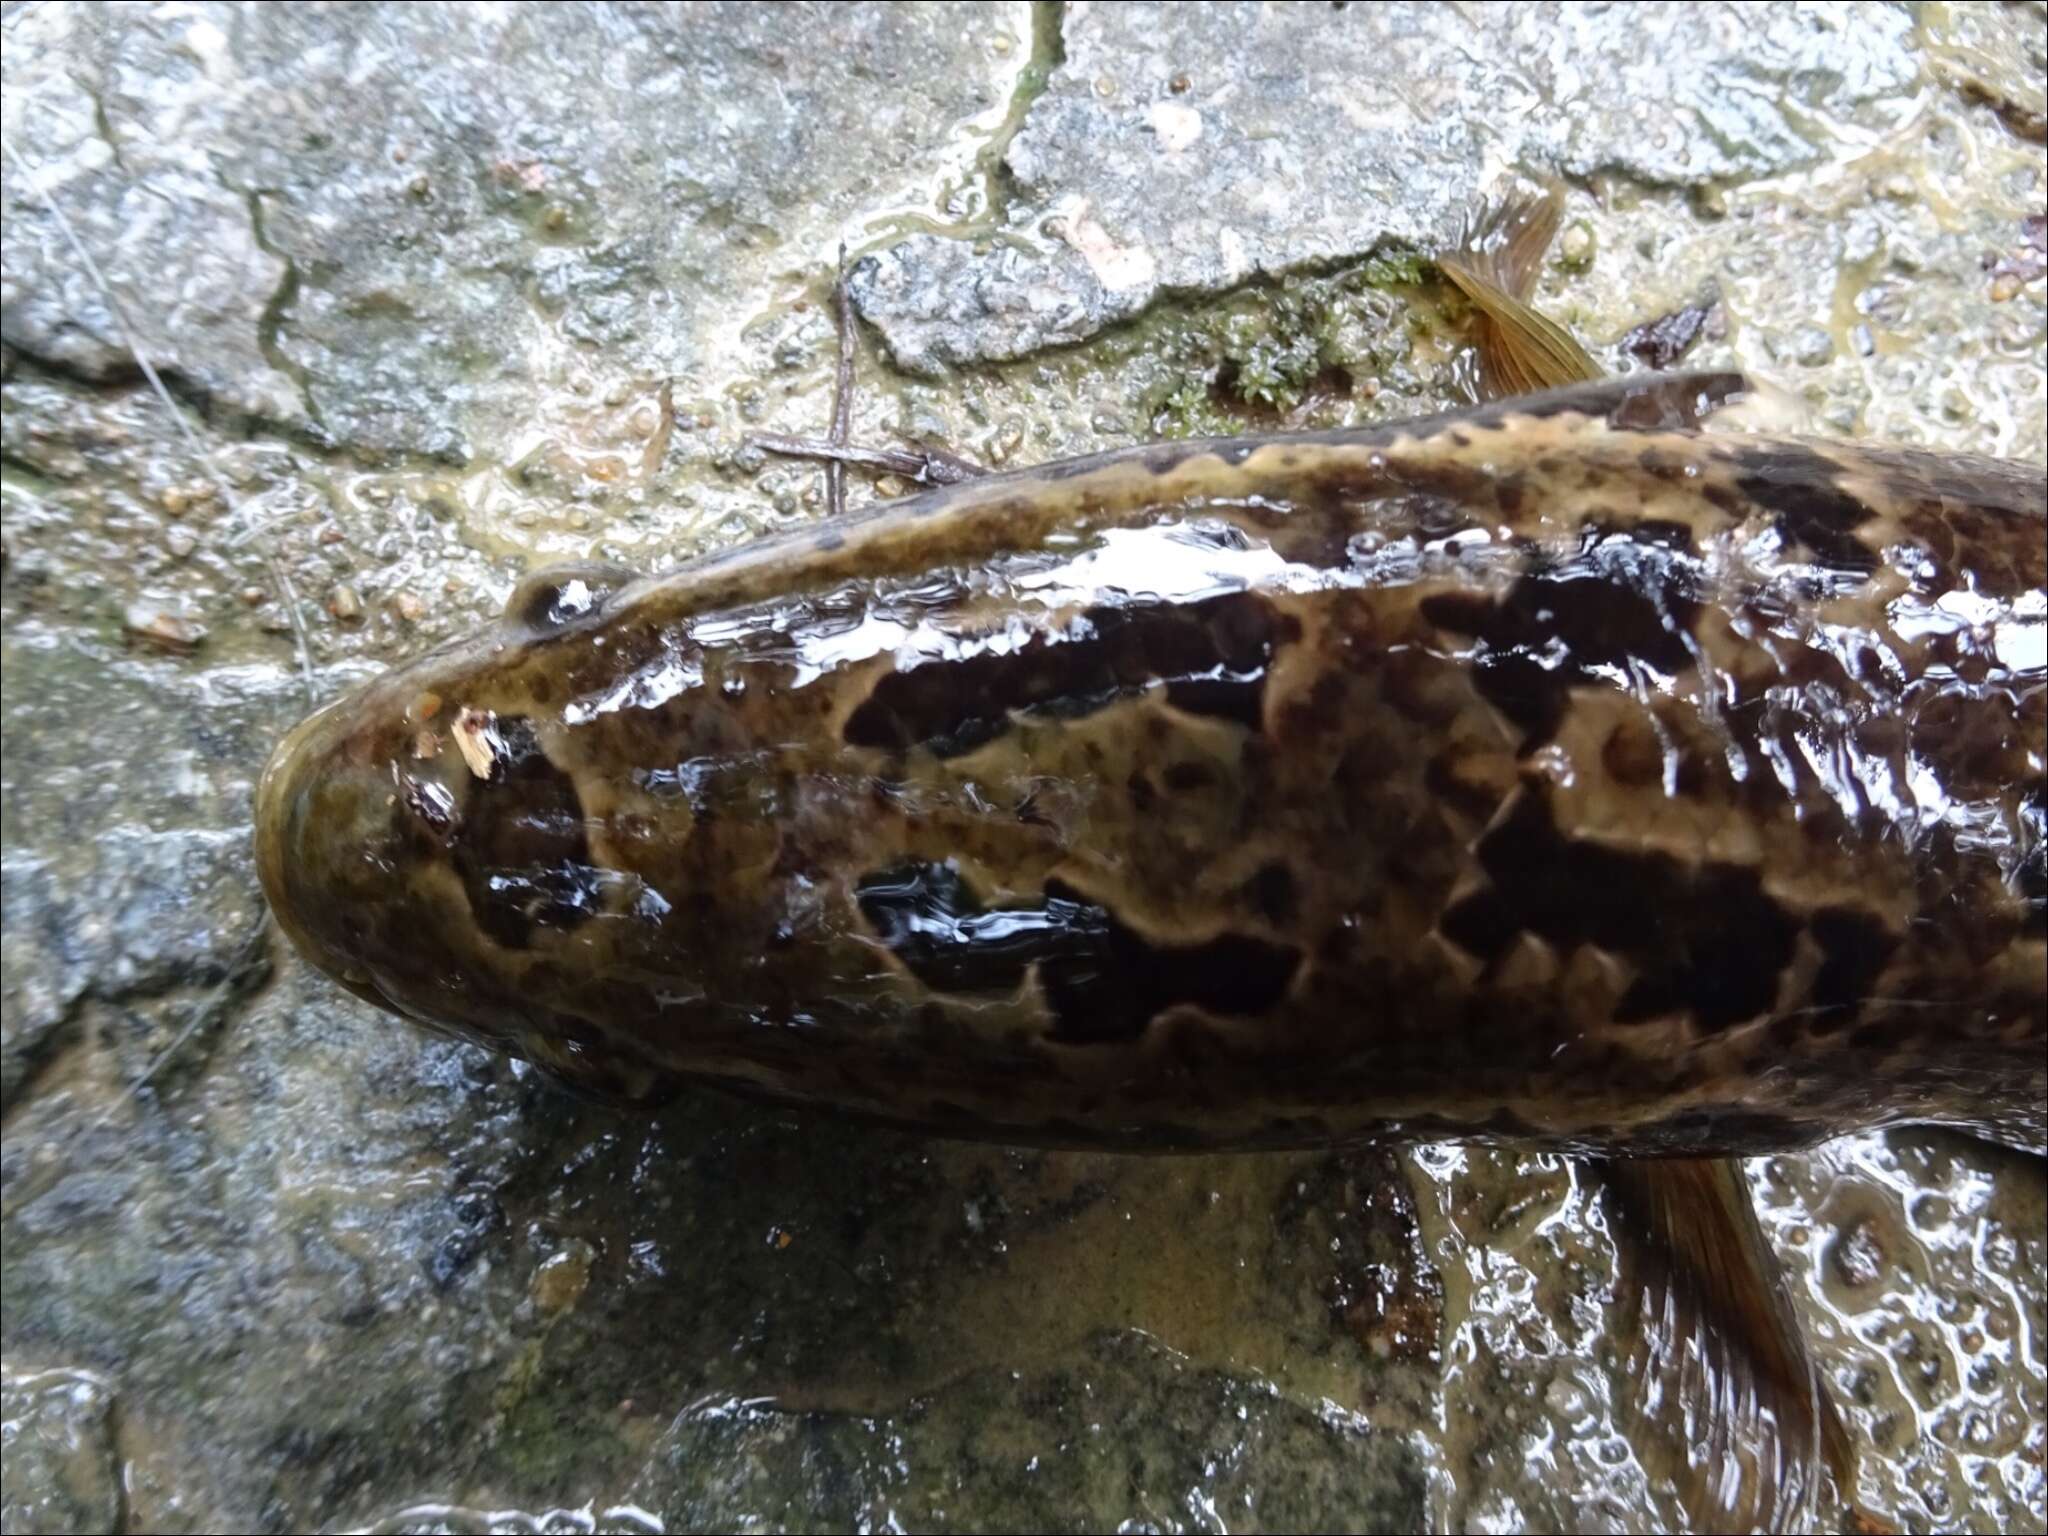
[1564,770]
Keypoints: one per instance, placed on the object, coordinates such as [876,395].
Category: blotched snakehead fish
[1557,770]
[1571,769]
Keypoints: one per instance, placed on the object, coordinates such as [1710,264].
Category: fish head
[419,844]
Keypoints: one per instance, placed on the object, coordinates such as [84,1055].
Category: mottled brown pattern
[1556,770]
[1621,600]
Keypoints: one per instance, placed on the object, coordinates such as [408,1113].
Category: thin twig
[926,466]
[842,390]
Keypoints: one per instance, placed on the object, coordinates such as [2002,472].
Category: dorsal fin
[1495,267]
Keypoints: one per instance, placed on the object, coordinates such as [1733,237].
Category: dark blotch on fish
[1625,599]
[522,850]
[1272,893]
[1814,512]
[1854,947]
[1103,981]
[1704,938]
[1212,657]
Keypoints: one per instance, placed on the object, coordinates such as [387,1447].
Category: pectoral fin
[1495,267]
[1724,1398]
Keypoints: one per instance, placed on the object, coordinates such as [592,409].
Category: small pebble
[180,541]
[344,604]
[176,499]
[1710,202]
[1857,1257]
[1577,248]
[408,607]
[1008,438]
[2004,286]
[156,624]
[562,1278]
[1812,347]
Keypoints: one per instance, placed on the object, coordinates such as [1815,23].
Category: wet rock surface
[1305,137]
[450,292]
[365,233]
[1125,1424]
[56,1432]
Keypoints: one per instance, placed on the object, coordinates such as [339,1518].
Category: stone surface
[56,1436]
[367,231]
[1125,1425]
[337,1274]
[1303,137]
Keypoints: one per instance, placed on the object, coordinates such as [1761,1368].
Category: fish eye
[559,595]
